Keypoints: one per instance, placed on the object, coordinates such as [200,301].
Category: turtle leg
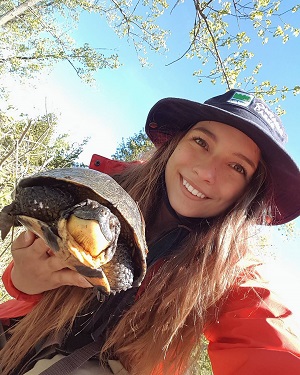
[40,202]
[120,270]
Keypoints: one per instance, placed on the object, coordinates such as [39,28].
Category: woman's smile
[193,190]
[210,169]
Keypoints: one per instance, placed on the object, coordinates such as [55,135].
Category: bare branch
[17,11]
[19,141]
[216,50]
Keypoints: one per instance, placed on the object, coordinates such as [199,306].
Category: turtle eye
[113,222]
[104,211]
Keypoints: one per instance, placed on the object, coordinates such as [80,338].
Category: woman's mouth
[192,190]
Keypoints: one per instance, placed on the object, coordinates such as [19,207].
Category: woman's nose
[206,170]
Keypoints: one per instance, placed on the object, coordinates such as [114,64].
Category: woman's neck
[164,221]
[166,218]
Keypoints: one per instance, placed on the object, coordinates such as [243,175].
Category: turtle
[87,219]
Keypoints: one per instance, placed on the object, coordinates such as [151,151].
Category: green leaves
[30,145]
[218,42]
[223,37]
[134,148]
[41,36]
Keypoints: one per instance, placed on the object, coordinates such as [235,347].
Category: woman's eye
[201,142]
[239,169]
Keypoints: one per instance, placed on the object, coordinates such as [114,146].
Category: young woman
[219,169]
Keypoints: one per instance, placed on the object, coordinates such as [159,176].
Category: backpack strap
[80,356]
[74,360]
[117,368]
[44,349]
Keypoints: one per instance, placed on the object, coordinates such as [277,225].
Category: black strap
[44,349]
[74,360]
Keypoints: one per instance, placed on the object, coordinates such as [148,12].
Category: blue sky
[123,97]
[117,106]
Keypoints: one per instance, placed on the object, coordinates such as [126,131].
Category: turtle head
[94,228]
[89,232]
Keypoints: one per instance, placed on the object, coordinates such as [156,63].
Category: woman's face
[210,169]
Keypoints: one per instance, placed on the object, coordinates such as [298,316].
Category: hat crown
[241,103]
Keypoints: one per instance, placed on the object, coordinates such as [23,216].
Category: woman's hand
[36,269]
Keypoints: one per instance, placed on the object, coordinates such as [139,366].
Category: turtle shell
[87,185]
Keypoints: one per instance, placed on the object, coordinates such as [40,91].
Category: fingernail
[27,235]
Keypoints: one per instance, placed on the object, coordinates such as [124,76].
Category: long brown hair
[182,297]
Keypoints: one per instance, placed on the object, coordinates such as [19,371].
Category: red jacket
[253,336]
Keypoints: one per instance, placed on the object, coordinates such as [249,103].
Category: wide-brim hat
[254,118]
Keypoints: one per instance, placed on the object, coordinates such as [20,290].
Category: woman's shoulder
[256,291]
[254,330]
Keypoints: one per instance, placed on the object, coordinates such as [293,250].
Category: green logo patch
[241,98]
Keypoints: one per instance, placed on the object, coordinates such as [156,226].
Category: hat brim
[172,115]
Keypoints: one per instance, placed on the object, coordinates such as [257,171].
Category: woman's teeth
[193,190]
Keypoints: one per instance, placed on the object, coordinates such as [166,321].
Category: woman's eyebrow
[207,132]
[246,159]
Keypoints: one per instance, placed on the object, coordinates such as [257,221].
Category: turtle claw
[96,277]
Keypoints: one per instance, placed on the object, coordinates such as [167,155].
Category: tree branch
[219,59]
[20,9]
[19,142]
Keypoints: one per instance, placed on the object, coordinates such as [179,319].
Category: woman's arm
[254,335]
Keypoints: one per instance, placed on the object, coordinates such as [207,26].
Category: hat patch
[241,99]
[271,119]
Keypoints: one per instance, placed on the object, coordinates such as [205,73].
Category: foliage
[40,37]
[201,362]
[134,148]
[28,146]
[217,35]
[289,230]
[221,39]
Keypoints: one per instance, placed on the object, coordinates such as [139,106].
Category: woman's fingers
[36,269]
[25,239]
[70,277]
